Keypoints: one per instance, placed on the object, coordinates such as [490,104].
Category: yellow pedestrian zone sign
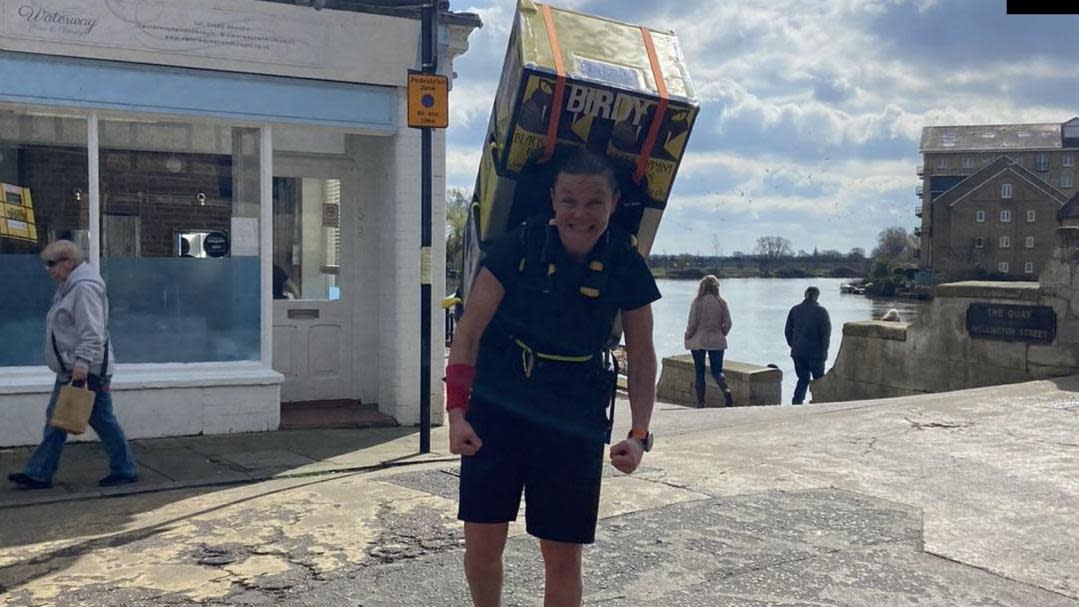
[16,213]
[428,100]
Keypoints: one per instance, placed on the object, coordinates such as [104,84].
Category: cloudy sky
[811,110]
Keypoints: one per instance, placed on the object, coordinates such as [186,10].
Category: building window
[1006,216]
[1066,180]
[979,242]
[1005,190]
[1067,160]
[968,162]
[942,163]
[180,239]
[1031,216]
[1005,242]
[979,216]
[44,185]
[1030,242]
[1041,162]
[1028,267]
[1002,267]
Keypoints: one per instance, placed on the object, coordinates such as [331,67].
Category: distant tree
[830,254]
[894,244]
[856,254]
[772,248]
[457,203]
[802,253]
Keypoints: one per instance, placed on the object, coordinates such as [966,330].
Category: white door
[312,321]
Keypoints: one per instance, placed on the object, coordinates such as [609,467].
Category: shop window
[44,197]
[179,240]
[307,238]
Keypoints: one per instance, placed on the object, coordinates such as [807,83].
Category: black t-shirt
[564,321]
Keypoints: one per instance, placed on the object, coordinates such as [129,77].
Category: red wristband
[459,379]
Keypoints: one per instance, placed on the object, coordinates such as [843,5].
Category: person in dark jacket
[808,331]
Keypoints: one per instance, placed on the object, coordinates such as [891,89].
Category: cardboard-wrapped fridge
[571,79]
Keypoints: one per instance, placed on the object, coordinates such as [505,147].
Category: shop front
[256,216]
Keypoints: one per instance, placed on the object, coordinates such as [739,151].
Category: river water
[759,309]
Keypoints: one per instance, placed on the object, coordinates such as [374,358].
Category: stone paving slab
[811,548]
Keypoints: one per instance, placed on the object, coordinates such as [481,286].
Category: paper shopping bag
[73,409]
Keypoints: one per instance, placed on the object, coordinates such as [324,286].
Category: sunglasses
[52,262]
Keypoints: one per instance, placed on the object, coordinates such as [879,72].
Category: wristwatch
[643,436]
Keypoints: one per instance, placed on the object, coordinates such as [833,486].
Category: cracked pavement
[967,498]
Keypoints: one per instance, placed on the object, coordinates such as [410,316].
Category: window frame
[979,216]
[1006,190]
[1004,242]
[1005,216]
[1028,267]
[1003,267]
[1029,242]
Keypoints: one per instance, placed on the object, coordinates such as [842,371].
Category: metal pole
[428,31]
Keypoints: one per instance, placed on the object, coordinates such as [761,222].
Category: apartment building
[990,195]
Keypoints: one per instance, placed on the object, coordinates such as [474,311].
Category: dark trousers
[804,367]
[715,360]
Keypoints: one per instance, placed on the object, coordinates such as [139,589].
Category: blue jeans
[804,368]
[46,458]
[715,360]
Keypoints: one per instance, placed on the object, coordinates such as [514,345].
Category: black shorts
[547,456]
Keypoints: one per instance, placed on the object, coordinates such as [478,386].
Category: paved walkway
[967,498]
[201,461]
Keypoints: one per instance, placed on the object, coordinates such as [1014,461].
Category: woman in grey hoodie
[706,331]
[77,349]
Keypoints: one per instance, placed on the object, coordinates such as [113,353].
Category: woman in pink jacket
[709,324]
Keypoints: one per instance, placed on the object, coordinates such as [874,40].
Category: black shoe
[27,482]
[113,480]
[728,397]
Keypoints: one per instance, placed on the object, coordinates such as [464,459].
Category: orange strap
[661,108]
[559,86]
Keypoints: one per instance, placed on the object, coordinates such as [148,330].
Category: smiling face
[583,205]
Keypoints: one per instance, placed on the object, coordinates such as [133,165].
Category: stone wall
[749,384]
[935,354]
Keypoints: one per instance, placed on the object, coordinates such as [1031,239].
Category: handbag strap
[63,367]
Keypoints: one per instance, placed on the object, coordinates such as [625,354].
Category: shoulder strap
[63,367]
[56,350]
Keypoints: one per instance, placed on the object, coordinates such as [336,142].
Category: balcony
[917,210]
[921,169]
[918,190]
[917,232]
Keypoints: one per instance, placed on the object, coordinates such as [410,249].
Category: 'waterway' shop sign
[1035,324]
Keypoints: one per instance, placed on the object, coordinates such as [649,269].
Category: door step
[333,414]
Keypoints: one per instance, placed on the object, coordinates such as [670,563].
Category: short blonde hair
[63,248]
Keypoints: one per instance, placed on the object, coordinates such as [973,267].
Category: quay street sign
[1006,322]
